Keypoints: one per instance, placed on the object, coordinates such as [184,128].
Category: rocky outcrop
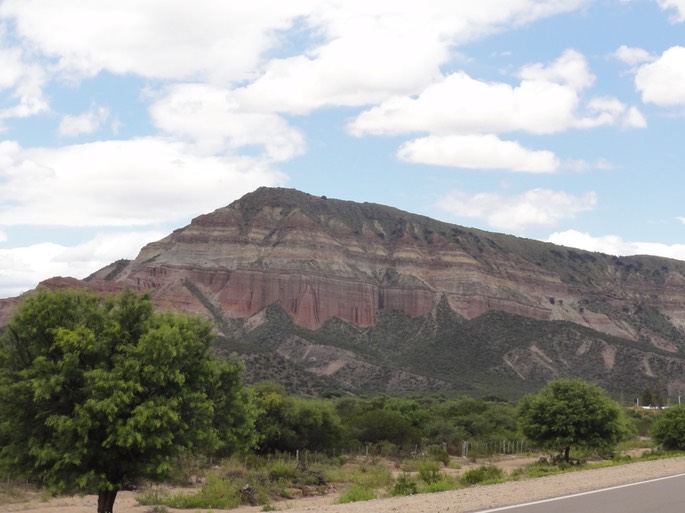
[322,260]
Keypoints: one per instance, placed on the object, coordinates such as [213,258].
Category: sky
[121,120]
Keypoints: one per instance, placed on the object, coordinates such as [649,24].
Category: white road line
[543,501]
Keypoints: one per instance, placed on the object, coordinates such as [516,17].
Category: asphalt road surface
[663,495]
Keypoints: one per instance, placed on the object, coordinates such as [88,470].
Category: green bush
[429,471]
[484,474]
[404,485]
[282,469]
[439,454]
[444,484]
[356,493]
[217,493]
[372,476]
[669,429]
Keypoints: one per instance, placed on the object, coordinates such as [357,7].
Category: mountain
[326,295]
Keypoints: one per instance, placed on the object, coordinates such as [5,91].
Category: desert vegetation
[102,395]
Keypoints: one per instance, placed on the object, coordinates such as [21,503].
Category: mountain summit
[324,294]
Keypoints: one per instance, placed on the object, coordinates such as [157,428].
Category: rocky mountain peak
[339,270]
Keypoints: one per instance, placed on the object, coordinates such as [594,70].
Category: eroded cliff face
[321,259]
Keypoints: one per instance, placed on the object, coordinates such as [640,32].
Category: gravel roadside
[512,492]
[472,499]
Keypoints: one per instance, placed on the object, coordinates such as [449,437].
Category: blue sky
[558,120]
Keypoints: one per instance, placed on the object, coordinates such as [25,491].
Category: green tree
[571,412]
[287,423]
[668,429]
[374,426]
[96,393]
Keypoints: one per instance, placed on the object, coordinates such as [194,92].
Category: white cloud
[25,82]
[373,63]
[634,119]
[615,245]
[218,41]
[22,268]
[633,56]
[371,51]
[570,69]
[461,104]
[86,123]
[546,101]
[477,152]
[537,207]
[661,82]
[120,183]
[12,67]
[212,118]
[678,5]
[358,51]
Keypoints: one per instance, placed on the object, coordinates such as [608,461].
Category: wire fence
[471,448]
[465,449]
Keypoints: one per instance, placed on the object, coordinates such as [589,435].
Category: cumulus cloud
[633,56]
[24,80]
[21,268]
[537,207]
[367,63]
[120,183]
[213,119]
[463,115]
[678,6]
[12,67]
[219,41]
[359,51]
[660,82]
[86,123]
[615,245]
[570,69]
[477,152]
[634,119]
[545,101]
[372,51]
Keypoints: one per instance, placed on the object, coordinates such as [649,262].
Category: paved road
[664,495]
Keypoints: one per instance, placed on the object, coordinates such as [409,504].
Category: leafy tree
[669,429]
[96,393]
[375,426]
[287,423]
[571,412]
[651,396]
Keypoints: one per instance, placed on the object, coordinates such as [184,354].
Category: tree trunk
[106,500]
[567,454]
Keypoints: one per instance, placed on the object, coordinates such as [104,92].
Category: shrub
[439,454]
[217,493]
[429,471]
[482,475]
[357,493]
[669,429]
[282,469]
[372,476]
[444,484]
[404,485]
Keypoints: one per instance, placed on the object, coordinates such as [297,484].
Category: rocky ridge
[368,297]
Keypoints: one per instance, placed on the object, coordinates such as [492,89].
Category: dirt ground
[471,499]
